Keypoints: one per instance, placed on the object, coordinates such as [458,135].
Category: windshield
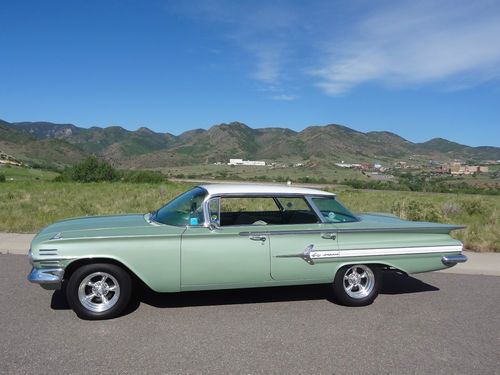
[186,209]
[333,211]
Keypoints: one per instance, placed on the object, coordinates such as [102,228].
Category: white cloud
[261,29]
[415,43]
[284,97]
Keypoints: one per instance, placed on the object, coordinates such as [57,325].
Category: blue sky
[421,69]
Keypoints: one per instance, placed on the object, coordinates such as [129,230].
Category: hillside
[27,148]
[66,143]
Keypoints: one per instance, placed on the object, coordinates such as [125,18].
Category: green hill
[45,142]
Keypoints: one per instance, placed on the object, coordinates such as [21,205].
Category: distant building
[401,164]
[362,166]
[462,169]
[246,162]
[344,165]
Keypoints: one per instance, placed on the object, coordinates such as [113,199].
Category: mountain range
[48,143]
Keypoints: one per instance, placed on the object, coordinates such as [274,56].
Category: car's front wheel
[357,285]
[99,291]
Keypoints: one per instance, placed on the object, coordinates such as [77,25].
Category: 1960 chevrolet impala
[234,236]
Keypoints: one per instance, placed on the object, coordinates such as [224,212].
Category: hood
[93,226]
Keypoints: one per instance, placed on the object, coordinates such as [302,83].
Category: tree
[93,170]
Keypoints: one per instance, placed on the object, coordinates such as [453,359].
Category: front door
[224,258]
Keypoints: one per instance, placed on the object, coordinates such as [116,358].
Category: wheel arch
[77,263]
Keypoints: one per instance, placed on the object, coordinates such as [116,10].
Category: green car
[234,236]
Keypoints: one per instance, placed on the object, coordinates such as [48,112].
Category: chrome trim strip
[451,260]
[309,254]
[349,230]
[286,232]
[402,229]
[48,276]
[69,239]
[51,259]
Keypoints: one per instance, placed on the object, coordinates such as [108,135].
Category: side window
[293,204]
[214,211]
[251,204]
[264,211]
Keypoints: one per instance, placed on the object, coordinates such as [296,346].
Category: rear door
[293,245]
[293,251]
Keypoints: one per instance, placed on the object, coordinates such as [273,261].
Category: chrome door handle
[258,238]
[329,236]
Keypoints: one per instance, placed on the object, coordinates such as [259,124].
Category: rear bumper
[48,278]
[451,260]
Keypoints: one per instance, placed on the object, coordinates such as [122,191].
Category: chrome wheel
[358,281]
[99,291]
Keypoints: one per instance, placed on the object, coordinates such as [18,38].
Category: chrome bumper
[451,260]
[48,278]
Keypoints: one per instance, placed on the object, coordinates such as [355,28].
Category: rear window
[333,211]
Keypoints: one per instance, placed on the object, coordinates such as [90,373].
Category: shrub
[416,210]
[473,207]
[2,178]
[91,170]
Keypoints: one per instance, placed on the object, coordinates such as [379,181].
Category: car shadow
[393,283]
[396,282]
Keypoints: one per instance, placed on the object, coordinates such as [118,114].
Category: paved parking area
[433,323]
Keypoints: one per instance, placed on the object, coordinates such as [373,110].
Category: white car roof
[215,189]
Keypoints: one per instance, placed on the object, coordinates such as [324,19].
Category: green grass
[13,173]
[29,205]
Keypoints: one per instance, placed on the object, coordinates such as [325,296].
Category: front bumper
[48,278]
[451,260]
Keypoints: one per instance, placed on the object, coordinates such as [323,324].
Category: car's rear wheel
[99,291]
[357,285]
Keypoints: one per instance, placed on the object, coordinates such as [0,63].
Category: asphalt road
[433,323]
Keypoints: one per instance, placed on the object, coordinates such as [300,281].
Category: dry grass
[480,213]
[28,206]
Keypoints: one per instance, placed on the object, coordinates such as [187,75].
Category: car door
[294,246]
[221,257]
[293,251]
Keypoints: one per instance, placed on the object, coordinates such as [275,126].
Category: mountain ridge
[145,148]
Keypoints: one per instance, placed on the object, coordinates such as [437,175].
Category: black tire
[362,294]
[114,300]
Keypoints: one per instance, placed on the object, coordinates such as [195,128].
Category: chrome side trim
[350,230]
[402,229]
[51,259]
[451,260]
[309,254]
[287,232]
[48,276]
